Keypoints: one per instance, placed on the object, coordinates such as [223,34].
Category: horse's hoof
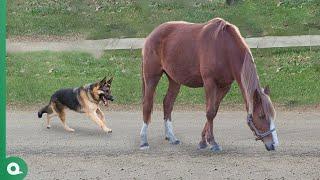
[167,139]
[176,142]
[215,148]
[202,145]
[144,146]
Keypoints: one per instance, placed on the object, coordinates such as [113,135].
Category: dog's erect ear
[266,90]
[103,81]
[110,80]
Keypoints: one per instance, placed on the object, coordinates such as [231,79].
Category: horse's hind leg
[151,78]
[214,95]
[172,93]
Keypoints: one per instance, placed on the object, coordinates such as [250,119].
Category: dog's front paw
[108,130]
[69,129]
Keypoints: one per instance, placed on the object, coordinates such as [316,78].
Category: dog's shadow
[79,131]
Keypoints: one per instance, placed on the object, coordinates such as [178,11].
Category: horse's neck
[249,81]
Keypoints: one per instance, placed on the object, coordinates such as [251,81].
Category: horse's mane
[249,76]
[225,26]
[249,80]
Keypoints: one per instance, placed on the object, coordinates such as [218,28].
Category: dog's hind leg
[59,109]
[62,117]
[50,114]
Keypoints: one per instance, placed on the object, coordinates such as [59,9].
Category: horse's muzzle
[270,147]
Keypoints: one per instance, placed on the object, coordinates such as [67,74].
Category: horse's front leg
[214,95]
[203,143]
[172,93]
[207,132]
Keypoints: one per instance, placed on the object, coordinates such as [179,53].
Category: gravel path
[89,153]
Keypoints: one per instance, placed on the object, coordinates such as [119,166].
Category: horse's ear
[266,90]
[256,97]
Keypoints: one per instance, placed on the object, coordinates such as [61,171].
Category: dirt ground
[89,153]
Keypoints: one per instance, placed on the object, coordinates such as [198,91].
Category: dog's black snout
[110,98]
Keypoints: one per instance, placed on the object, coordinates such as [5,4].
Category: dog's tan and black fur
[84,99]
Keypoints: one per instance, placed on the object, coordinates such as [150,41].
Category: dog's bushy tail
[47,109]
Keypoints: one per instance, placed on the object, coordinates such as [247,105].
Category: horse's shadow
[191,149]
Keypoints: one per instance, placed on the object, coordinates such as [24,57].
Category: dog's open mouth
[106,98]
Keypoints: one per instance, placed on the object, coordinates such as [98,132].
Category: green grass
[293,75]
[128,18]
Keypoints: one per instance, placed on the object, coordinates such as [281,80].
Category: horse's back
[178,32]
[181,48]
[169,32]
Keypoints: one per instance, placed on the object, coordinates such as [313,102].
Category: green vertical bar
[3,79]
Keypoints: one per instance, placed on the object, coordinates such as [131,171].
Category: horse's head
[262,117]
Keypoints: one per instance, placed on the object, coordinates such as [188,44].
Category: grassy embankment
[97,19]
[293,75]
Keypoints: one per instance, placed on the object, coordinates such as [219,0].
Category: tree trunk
[230,2]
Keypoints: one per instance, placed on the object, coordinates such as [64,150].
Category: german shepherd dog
[84,99]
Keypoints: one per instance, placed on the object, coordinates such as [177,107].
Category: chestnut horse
[210,55]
